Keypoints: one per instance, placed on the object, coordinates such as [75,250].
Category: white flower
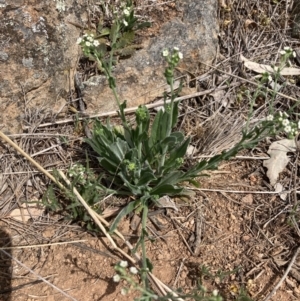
[165,52]
[123,264]
[79,40]
[126,12]
[116,278]
[88,44]
[96,43]
[287,49]
[123,292]
[176,48]
[180,55]
[125,22]
[215,293]
[294,54]
[299,125]
[133,270]
[285,122]
[270,118]
[91,39]
[288,129]
[282,52]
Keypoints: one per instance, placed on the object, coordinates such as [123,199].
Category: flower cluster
[173,59]
[88,43]
[126,15]
[122,274]
[288,51]
[121,270]
[81,175]
[286,54]
[280,121]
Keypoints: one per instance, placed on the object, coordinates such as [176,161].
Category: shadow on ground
[5,267]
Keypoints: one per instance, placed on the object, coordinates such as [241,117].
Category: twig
[133,109]
[184,240]
[284,275]
[37,165]
[89,210]
[178,273]
[251,82]
[244,191]
[236,157]
[42,245]
[38,276]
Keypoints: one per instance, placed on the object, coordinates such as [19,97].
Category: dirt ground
[239,237]
[235,234]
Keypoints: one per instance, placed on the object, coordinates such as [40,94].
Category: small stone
[248,199]
[245,237]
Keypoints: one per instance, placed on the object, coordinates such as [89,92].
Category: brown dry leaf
[249,24]
[108,212]
[166,202]
[278,158]
[261,68]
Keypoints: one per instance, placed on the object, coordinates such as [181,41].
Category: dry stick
[42,245]
[179,271]
[284,275]
[251,82]
[244,191]
[38,276]
[40,168]
[37,165]
[89,210]
[133,109]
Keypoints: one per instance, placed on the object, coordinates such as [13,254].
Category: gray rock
[140,79]
[37,55]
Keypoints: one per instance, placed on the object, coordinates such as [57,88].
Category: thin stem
[169,125]
[144,255]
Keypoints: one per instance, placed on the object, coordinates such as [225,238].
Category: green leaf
[135,189]
[175,113]
[171,178]
[125,211]
[166,189]
[104,32]
[177,153]
[143,25]
[109,165]
[114,31]
[149,264]
[146,178]
[155,128]
[118,150]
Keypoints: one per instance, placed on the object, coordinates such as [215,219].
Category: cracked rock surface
[39,55]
